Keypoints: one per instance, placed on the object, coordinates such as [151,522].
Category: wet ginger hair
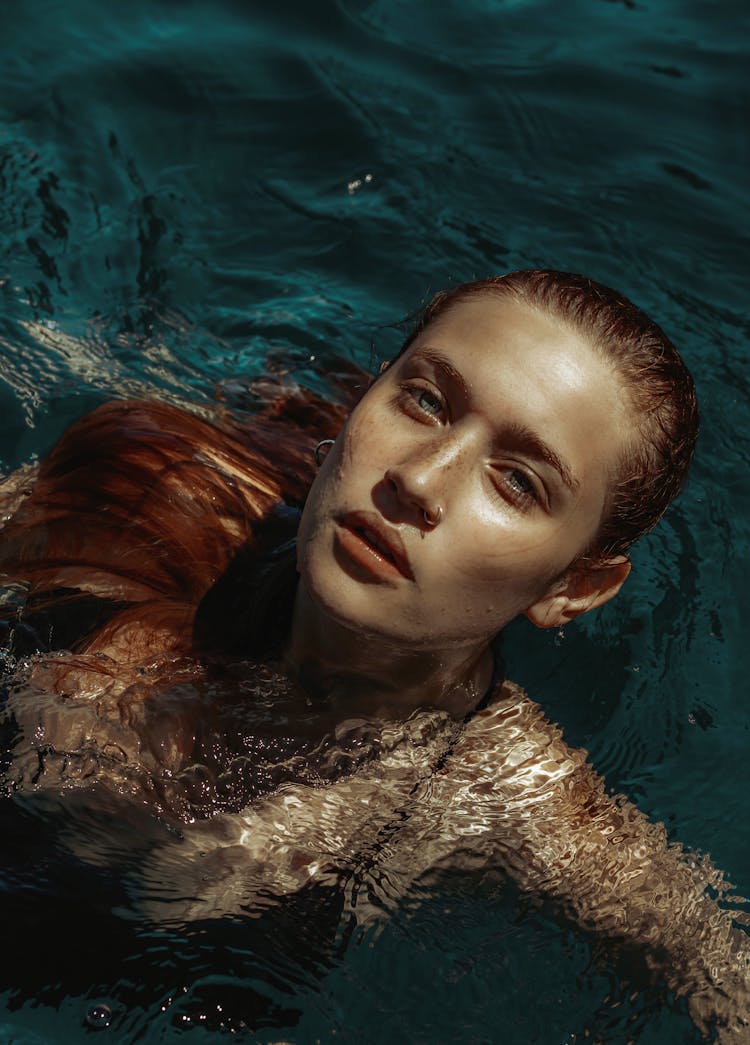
[661,390]
[114,540]
[142,507]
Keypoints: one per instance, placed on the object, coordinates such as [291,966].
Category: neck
[373,674]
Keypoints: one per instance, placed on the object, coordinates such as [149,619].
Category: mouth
[374,544]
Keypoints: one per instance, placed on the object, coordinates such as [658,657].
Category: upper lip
[382,537]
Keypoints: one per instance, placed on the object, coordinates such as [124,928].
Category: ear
[585,586]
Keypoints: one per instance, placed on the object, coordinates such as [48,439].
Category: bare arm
[511,796]
[520,799]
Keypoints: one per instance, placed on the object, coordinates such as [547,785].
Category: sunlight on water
[192,195]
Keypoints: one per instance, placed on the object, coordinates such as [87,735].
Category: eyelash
[521,498]
[409,398]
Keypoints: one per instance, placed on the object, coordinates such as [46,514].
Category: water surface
[189,189]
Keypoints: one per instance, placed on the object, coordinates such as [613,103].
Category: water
[189,189]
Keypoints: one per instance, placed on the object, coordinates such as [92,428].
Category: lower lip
[361,559]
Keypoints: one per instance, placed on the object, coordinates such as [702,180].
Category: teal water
[186,189]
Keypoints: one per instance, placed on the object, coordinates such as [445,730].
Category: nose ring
[434,518]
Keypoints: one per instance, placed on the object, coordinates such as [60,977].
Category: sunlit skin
[510,428]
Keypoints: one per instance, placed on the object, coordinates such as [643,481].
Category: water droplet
[99,1016]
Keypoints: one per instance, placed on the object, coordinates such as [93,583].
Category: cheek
[515,560]
[315,498]
[347,466]
[362,442]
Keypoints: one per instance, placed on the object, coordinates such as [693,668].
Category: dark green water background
[188,187]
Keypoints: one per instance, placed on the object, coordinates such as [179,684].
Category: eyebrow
[532,444]
[524,437]
[442,363]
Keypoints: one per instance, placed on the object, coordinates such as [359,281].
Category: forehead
[523,367]
[495,333]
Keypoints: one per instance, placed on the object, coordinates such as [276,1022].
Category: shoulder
[511,746]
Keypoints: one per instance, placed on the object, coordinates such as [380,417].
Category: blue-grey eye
[428,402]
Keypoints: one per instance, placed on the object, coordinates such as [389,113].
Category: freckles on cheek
[355,443]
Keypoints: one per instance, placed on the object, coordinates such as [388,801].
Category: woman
[531,429]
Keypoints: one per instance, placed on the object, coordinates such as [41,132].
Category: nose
[421,479]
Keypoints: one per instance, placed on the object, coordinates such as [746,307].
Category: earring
[324,444]
[434,518]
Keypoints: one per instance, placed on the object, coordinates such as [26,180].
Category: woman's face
[471,475]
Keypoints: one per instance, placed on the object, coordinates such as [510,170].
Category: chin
[340,600]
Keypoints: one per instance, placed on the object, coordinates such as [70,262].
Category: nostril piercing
[434,518]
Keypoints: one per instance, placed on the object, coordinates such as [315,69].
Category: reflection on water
[285,835]
[176,206]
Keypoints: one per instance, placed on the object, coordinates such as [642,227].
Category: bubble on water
[357,183]
[99,1016]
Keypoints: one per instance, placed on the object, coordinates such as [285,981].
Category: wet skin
[508,426]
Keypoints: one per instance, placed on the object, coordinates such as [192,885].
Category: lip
[373,545]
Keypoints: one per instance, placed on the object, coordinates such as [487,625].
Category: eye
[521,483]
[422,403]
[517,487]
[427,401]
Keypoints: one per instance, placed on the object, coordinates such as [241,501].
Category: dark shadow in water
[70,930]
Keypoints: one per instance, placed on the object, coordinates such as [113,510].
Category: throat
[365,674]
